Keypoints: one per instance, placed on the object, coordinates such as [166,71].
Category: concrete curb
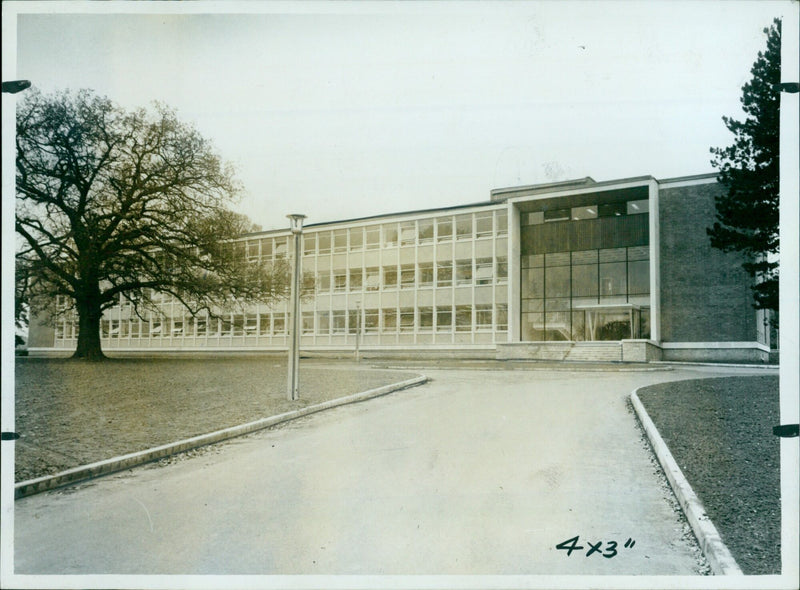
[107,466]
[717,553]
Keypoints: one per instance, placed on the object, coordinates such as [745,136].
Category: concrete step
[595,351]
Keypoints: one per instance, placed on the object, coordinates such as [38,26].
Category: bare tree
[118,204]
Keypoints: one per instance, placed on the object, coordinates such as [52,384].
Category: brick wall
[705,293]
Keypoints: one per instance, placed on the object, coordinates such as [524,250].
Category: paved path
[478,472]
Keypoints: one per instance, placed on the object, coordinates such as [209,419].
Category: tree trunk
[89,347]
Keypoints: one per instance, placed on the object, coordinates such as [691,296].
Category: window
[339,281]
[339,321]
[463,272]
[426,319]
[266,248]
[407,276]
[557,215]
[501,269]
[444,274]
[483,317]
[389,320]
[464,227]
[406,319]
[155,328]
[584,213]
[483,271]
[340,240]
[557,281]
[307,322]
[309,244]
[135,329]
[200,326]
[611,209]
[390,277]
[323,323]
[355,279]
[356,238]
[372,282]
[373,237]
[250,324]
[408,233]
[354,321]
[279,324]
[263,324]
[425,231]
[252,250]
[501,317]
[324,239]
[502,222]
[323,282]
[281,248]
[637,207]
[238,325]
[533,218]
[390,235]
[444,319]
[463,318]
[426,274]
[483,225]
[371,321]
[444,229]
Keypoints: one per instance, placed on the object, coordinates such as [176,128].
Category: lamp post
[358,329]
[296,225]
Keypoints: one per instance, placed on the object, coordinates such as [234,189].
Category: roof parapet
[501,194]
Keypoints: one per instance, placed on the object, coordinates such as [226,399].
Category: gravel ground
[72,413]
[720,433]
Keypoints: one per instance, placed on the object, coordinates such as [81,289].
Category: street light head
[14,86]
[296,222]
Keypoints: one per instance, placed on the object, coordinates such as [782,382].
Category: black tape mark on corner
[9,436]
[786,430]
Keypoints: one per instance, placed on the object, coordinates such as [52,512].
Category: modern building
[579,270]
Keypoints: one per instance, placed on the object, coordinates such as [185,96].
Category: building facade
[577,270]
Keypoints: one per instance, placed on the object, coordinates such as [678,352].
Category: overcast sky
[379,108]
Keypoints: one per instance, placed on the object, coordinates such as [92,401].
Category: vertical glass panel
[483,224]
[612,279]
[309,244]
[279,324]
[340,240]
[250,324]
[426,274]
[324,239]
[444,274]
[502,222]
[501,269]
[444,228]
[323,281]
[390,277]
[408,233]
[558,325]
[339,281]
[639,253]
[532,328]
[323,322]
[281,247]
[406,319]
[463,318]
[464,226]
[373,237]
[266,248]
[425,231]
[372,282]
[252,249]
[484,271]
[356,238]
[353,321]
[501,316]
[389,320]
[557,259]
[389,235]
[264,326]
[444,319]
[407,276]
[557,215]
[463,272]
[584,280]
[483,317]
[532,283]
[371,320]
[355,279]
[339,321]
[612,255]
[639,277]
[578,326]
[611,209]
[307,322]
[426,318]
[557,282]
[533,218]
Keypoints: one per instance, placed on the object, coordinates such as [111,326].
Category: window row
[367,321]
[586,212]
[480,271]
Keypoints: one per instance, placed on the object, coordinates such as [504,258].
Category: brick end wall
[705,293]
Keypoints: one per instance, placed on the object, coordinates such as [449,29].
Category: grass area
[71,413]
[720,433]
